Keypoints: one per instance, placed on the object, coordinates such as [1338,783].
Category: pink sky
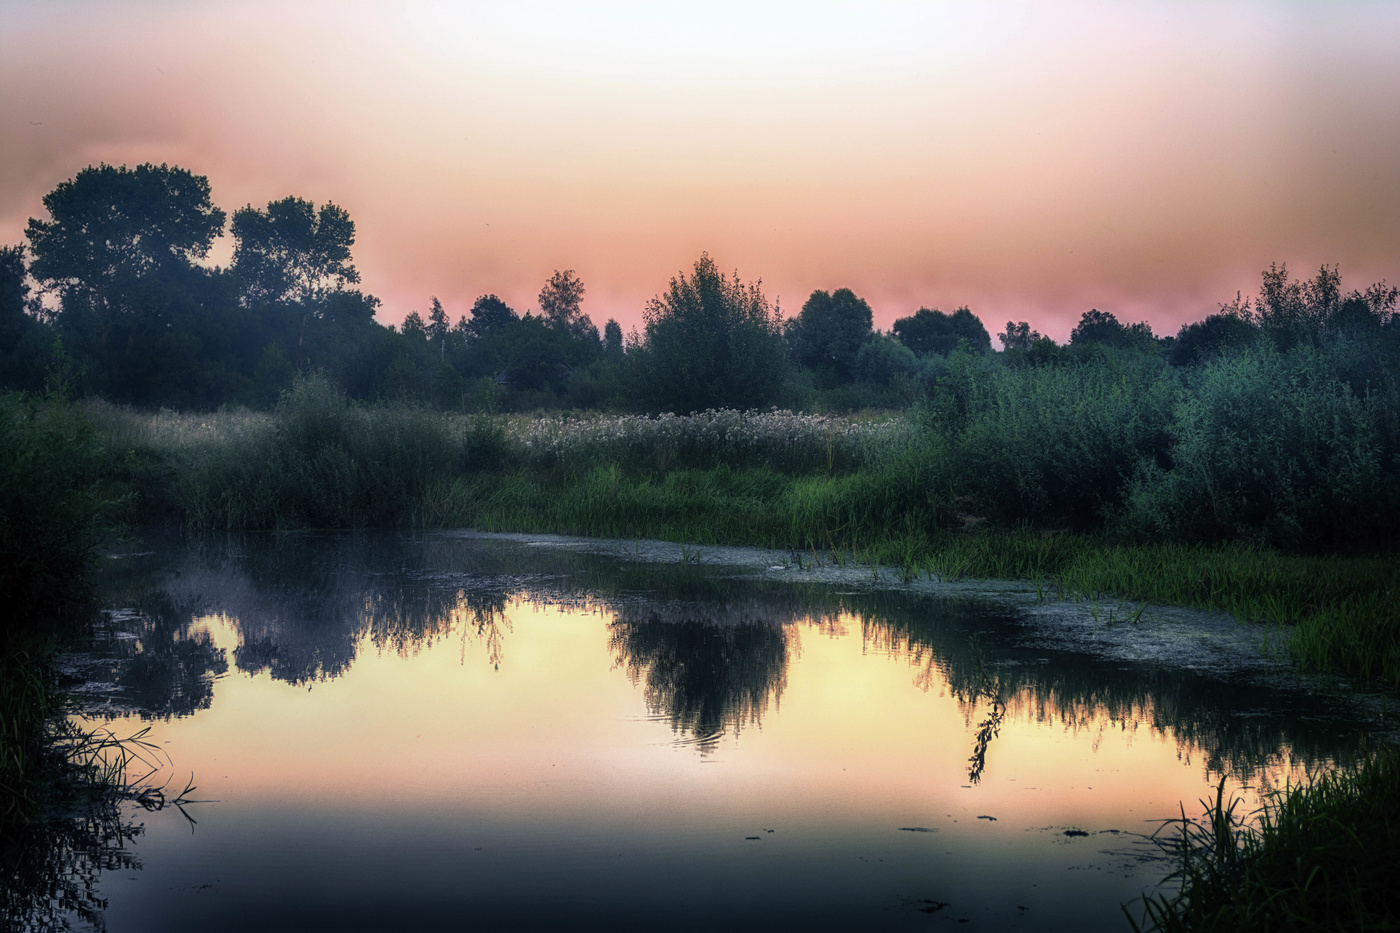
[1030,161]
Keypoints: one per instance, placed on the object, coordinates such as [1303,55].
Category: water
[458,731]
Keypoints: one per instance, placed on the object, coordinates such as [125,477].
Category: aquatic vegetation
[1316,856]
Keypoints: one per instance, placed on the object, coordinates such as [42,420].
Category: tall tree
[711,342]
[490,313]
[829,332]
[560,302]
[293,252]
[112,227]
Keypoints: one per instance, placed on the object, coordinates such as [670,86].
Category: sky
[1030,161]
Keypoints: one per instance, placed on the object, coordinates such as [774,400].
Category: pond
[449,730]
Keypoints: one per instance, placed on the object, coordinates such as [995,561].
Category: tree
[559,304]
[1217,334]
[1103,328]
[829,332]
[934,332]
[1018,336]
[490,313]
[612,338]
[711,342]
[112,227]
[293,252]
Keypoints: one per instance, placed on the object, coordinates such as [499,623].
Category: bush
[1051,445]
[1271,447]
[51,512]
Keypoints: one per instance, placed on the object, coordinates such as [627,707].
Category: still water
[475,732]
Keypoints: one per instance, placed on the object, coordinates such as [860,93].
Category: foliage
[711,342]
[114,226]
[51,509]
[1018,336]
[936,333]
[1049,445]
[560,299]
[1316,856]
[1103,328]
[292,252]
[1273,447]
[829,332]
[882,360]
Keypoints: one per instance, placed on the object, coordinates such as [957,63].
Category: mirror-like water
[456,731]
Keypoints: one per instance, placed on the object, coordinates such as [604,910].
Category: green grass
[1317,856]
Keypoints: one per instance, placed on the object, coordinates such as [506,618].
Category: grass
[1316,856]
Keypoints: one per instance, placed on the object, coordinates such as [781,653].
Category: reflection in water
[49,872]
[711,654]
[707,679]
[709,650]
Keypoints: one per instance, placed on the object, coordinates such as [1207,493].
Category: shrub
[1272,447]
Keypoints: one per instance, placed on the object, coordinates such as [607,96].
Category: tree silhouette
[293,252]
[712,342]
[927,332]
[829,332]
[112,227]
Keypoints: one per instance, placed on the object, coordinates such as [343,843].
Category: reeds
[1316,856]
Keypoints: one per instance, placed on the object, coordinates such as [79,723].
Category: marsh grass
[1316,856]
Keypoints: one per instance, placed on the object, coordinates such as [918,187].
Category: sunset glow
[1030,161]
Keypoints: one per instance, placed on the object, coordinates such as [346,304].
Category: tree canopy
[829,332]
[712,342]
[927,332]
[111,227]
[293,252]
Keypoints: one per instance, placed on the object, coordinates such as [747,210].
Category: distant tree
[927,332]
[560,300]
[438,327]
[882,358]
[1291,311]
[490,313]
[711,342]
[828,333]
[1018,336]
[1215,335]
[293,252]
[612,338]
[1102,327]
[113,227]
[413,326]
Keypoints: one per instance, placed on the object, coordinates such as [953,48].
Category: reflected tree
[705,678]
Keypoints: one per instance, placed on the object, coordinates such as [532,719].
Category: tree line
[109,297]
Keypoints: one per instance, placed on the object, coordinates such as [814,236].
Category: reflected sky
[420,728]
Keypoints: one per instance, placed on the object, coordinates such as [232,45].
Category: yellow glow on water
[560,733]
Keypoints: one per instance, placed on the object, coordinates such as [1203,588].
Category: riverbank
[872,490]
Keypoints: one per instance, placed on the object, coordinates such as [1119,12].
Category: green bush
[1271,447]
[1052,445]
[51,512]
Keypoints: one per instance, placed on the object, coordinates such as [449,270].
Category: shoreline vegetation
[886,488]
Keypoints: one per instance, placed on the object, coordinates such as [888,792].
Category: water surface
[459,731]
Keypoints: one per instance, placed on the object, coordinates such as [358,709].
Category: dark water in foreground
[454,732]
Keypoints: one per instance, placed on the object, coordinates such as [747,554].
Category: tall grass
[1316,856]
